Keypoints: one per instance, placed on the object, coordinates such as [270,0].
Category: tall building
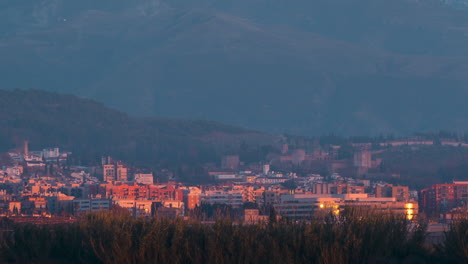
[109,172]
[193,198]
[441,198]
[26,148]
[121,173]
[113,171]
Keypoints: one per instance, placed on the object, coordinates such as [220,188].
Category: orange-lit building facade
[400,193]
[441,198]
[150,192]
[340,188]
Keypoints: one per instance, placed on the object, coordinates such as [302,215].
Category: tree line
[116,237]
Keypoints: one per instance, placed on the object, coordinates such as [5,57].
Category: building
[250,179]
[136,207]
[336,188]
[14,171]
[90,205]
[304,206]
[271,180]
[39,202]
[194,198]
[175,204]
[109,172]
[232,197]
[168,209]
[400,193]
[15,207]
[51,153]
[60,203]
[227,177]
[248,193]
[126,191]
[144,178]
[386,205]
[442,198]
[121,173]
[151,192]
[454,215]
[164,193]
[115,172]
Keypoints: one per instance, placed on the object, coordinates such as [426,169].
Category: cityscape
[44,186]
[234,131]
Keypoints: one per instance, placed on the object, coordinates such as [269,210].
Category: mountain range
[348,67]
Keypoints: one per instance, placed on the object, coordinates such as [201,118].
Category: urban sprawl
[43,187]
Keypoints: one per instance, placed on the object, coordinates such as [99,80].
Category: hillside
[308,67]
[90,130]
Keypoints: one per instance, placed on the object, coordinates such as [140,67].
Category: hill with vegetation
[90,130]
[308,67]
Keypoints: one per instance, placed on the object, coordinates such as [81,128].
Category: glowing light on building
[409,211]
[409,214]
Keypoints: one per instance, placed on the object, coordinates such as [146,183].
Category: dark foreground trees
[455,247]
[353,237]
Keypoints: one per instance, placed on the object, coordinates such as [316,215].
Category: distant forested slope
[90,130]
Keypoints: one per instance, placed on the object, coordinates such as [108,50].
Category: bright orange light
[409,214]
[409,206]
[321,206]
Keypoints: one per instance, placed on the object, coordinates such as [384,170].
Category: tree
[272,217]
[289,184]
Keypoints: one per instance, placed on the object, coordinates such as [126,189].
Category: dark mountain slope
[90,130]
[308,67]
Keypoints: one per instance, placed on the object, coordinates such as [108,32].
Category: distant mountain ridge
[302,67]
[90,130]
